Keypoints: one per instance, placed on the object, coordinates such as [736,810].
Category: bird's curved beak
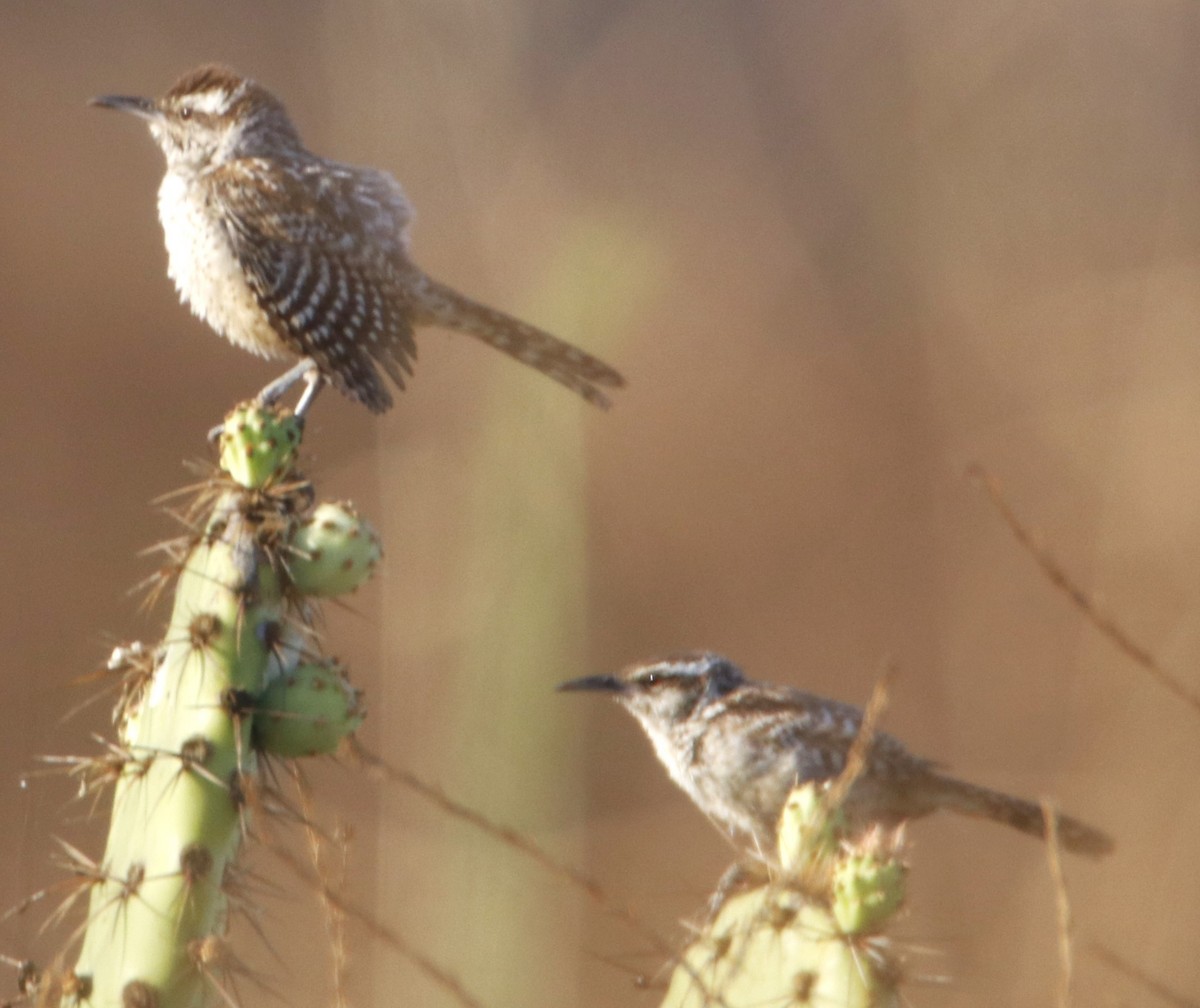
[603,683]
[143,108]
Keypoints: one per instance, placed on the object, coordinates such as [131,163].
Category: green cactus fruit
[868,888]
[307,711]
[332,552]
[258,444]
[808,832]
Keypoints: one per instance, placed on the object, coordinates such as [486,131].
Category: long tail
[1026,816]
[437,304]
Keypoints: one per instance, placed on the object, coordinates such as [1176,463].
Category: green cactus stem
[812,935]
[236,643]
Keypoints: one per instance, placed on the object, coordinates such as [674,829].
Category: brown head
[211,115]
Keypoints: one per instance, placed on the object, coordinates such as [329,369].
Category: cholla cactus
[234,678]
[811,936]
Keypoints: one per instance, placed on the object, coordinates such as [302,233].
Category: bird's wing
[820,732]
[319,247]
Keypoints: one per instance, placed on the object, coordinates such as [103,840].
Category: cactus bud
[333,551]
[307,711]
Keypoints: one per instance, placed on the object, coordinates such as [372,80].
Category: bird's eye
[185,112]
[652,678]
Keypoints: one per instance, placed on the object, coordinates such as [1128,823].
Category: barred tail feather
[969,799]
[437,304]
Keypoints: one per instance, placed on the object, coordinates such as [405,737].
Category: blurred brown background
[841,250]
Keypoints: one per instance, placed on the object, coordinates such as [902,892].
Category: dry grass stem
[1084,602]
[1136,973]
[1062,905]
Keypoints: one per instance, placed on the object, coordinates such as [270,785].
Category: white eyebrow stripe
[215,100]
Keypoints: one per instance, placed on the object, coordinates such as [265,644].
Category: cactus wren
[284,252]
[738,747]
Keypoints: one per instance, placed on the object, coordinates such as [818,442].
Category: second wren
[738,748]
[284,252]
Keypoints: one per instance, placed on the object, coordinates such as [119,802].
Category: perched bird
[284,252]
[738,747]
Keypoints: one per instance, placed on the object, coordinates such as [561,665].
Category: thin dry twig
[1155,987]
[393,939]
[319,850]
[1086,604]
[512,838]
[505,834]
[1062,904]
[860,748]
